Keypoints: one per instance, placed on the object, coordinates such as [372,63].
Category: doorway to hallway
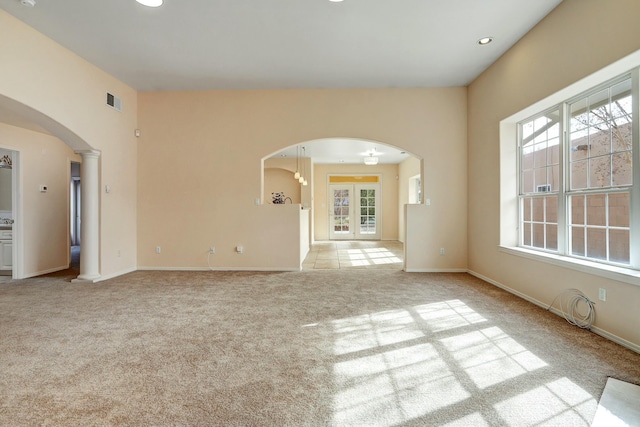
[75,199]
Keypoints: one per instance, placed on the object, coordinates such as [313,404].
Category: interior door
[355,212]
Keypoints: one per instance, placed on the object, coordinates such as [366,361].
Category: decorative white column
[89,217]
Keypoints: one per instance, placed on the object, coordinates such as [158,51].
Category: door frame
[355,184]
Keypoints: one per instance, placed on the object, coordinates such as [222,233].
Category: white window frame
[509,176]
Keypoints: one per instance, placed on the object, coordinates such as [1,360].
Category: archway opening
[361,224]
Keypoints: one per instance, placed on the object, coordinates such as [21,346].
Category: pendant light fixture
[304,165]
[296,175]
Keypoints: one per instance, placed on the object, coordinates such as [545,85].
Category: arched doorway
[345,209]
[19,115]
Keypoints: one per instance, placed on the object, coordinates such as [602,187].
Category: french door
[355,212]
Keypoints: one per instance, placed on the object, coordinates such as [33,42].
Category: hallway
[362,254]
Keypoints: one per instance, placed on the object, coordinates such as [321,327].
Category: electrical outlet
[602,294]
[441,251]
[239,249]
[158,249]
[212,250]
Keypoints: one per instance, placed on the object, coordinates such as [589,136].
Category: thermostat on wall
[43,188]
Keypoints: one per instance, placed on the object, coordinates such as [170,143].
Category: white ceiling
[267,44]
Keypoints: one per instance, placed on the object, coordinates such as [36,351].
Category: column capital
[88,153]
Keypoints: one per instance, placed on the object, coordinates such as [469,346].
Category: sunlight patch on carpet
[446,315]
[559,403]
[394,386]
[490,356]
[373,330]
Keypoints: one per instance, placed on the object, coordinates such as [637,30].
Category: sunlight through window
[490,356]
[395,386]
[447,315]
[559,403]
[373,330]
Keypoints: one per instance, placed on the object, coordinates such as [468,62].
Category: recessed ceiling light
[485,40]
[336,1]
[150,3]
[28,3]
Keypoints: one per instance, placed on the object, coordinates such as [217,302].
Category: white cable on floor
[570,300]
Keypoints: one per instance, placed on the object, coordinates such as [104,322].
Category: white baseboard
[436,270]
[116,274]
[594,329]
[217,269]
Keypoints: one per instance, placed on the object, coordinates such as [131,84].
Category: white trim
[435,270]
[114,275]
[594,329]
[621,274]
[257,269]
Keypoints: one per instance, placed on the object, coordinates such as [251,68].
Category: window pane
[619,246]
[622,170]
[596,209]
[527,160]
[527,181]
[554,177]
[552,236]
[577,210]
[553,156]
[552,209]
[538,209]
[541,179]
[600,172]
[526,234]
[619,210]
[579,172]
[599,140]
[577,241]
[538,235]
[596,243]
[526,209]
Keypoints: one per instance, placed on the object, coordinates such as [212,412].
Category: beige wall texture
[578,38]
[200,157]
[43,160]
[406,170]
[389,196]
[66,95]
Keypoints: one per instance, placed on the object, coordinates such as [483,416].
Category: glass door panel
[341,215]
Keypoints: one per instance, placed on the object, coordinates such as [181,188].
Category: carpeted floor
[311,348]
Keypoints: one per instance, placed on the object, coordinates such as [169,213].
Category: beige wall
[43,160]
[200,156]
[66,95]
[389,197]
[575,40]
[406,170]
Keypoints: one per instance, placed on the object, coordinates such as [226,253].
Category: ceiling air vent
[114,102]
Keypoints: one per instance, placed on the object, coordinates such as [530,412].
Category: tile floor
[367,254]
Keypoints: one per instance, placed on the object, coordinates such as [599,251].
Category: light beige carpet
[316,348]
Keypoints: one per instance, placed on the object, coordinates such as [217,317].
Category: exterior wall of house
[575,40]
[200,157]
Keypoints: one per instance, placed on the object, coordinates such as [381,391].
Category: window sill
[621,274]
